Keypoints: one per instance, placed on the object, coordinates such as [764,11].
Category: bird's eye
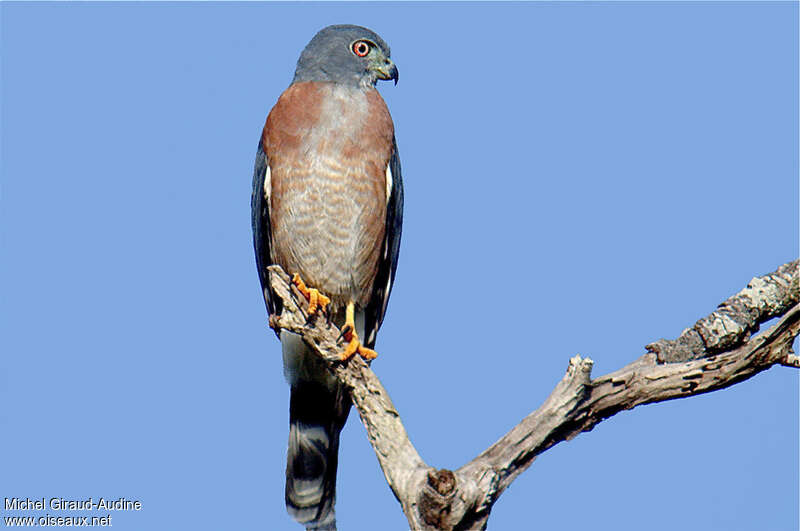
[361,48]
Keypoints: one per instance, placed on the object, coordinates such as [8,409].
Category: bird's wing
[387,264]
[262,232]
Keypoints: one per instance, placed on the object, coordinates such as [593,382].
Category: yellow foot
[316,300]
[353,343]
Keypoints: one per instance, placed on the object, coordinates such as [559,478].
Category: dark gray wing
[262,231]
[387,266]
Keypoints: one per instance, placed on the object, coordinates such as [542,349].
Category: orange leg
[316,300]
[353,343]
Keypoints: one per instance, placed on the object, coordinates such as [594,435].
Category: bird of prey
[327,206]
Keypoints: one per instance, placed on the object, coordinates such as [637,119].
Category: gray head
[346,54]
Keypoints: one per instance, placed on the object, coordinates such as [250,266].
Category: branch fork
[717,352]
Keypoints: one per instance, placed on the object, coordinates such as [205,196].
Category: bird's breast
[328,147]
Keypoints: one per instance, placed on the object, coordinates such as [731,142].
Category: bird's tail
[316,416]
[318,409]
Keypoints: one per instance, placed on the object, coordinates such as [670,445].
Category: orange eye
[361,48]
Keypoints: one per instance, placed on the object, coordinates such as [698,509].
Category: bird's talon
[349,350]
[367,353]
[353,343]
[313,301]
[316,300]
[355,347]
[299,284]
[346,329]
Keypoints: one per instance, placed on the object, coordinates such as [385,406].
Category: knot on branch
[436,498]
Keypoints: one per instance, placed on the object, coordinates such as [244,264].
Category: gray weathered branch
[401,464]
[715,353]
[735,319]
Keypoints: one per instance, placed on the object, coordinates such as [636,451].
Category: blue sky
[624,167]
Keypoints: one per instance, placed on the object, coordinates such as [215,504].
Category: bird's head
[346,54]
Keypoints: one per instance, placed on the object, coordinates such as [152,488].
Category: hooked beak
[387,70]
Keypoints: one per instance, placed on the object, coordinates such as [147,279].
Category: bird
[327,206]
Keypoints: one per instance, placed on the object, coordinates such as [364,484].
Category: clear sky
[580,178]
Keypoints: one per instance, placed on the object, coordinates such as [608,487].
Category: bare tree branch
[736,318]
[715,353]
[401,464]
[577,404]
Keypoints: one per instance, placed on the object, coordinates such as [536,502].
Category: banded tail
[318,409]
